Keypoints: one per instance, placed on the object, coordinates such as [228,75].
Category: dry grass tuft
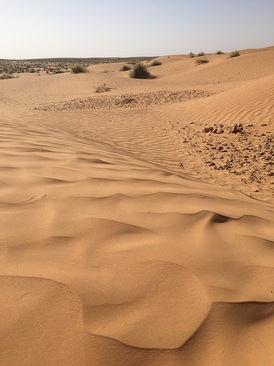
[77,69]
[102,88]
[139,71]
[125,68]
[156,63]
[234,54]
[5,76]
[201,61]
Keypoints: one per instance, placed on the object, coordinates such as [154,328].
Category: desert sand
[128,234]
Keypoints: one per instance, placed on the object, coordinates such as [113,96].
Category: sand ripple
[112,254]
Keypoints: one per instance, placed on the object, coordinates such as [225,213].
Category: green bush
[77,69]
[125,68]
[139,71]
[219,52]
[191,54]
[201,61]
[201,54]
[234,54]
[5,76]
[156,63]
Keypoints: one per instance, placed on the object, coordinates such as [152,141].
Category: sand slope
[111,252]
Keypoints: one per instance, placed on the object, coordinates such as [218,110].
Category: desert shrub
[201,61]
[139,71]
[201,54]
[77,69]
[58,71]
[125,68]
[219,52]
[156,63]
[191,54]
[5,76]
[102,88]
[234,54]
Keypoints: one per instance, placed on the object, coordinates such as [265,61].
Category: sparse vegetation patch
[156,63]
[5,76]
[77,69]
[125,68]
[102,88]
[219,52]
[234,54]
[201,54]
[191,54]
[52,66]
[139,71]
[201,61]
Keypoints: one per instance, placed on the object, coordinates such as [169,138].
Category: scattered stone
[237,128]
[127,100]
[244,154]
[218,130]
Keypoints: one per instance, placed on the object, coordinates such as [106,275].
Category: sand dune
[119,243]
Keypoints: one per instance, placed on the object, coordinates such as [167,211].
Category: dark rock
[208,129]
[237,128]
[218,130]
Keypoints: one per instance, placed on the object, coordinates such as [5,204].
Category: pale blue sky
[102,28]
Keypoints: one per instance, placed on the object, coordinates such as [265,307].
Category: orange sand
[120,242]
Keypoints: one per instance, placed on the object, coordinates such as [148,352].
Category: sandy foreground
[128,234]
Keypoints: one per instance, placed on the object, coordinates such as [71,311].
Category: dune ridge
[116,247]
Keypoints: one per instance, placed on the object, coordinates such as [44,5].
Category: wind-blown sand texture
[128,235]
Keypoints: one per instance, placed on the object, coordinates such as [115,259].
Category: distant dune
[137,224]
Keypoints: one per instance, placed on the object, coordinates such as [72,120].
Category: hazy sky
[91,28]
